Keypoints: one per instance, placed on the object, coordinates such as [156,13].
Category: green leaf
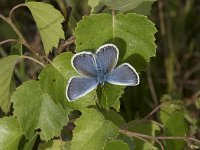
[114,117]
[176,126]
[92,131]
[122,6]
[133,34]
[138,6]
[54,78]
[144,127]
[30,143]
[144,8]
[168,108]
[48,21]
[116,145]
[35,109]
[108,95]
[10,133]
[173,111]
[53,83]
[6,70]
[52,145]
[93,4]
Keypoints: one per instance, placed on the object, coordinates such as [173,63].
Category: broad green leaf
[10,133]
[133,34]
[116,145]
[176,126]
[114,117]
[48,21]
[92,131]
[30,143]
[93,4]
[144,127]
[173,111]
[124,5]
[53,83]
[117,103]
[6,70]
[108,95]
[35,109]
[138,6]
[144,8]
[168,108]
[54,78]
[52,145]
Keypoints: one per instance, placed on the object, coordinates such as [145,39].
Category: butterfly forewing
[107,57]
[80,86]
[125,75]
[85,64]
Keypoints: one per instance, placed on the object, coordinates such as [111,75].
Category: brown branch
[153,111]
[151,86]
[141,136]
[14,8]
[21,38]
[8,40]
[133,134]
[161,17]
[65,44]
[32,59]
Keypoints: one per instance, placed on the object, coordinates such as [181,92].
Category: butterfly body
[99,68]
[101,76]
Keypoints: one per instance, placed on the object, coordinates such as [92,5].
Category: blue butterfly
[97,69]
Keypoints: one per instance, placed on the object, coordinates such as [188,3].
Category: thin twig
[133,134]
[14,8]
[161,146]
[161,17]
[66,43]
[35,60]
[8,40]
[151,86]
[22,39]
[177,138]
[141,136]
[153,111]
[3,17]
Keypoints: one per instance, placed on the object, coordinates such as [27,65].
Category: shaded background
[173,74]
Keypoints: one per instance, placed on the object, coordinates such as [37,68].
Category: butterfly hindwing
[80,86]
[107,57]
[84,63]
[125,75]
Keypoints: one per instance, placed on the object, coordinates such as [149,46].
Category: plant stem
[66,43]
[21,38]
[8,40]
[133,134]
[35,60]
[151,86]
[14,8]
